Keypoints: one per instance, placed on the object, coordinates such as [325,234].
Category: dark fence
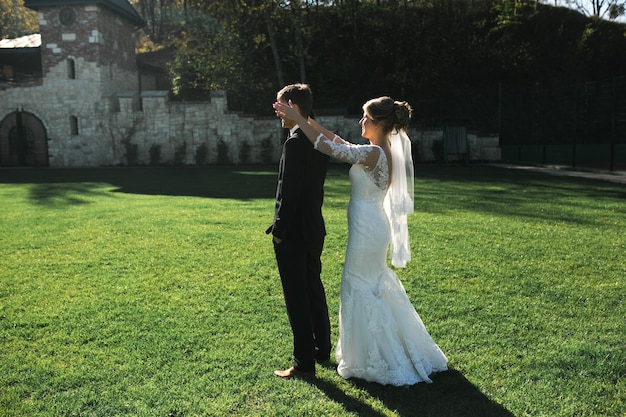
[581,125]
[477,108]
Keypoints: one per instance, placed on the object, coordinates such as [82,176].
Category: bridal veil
[398,202]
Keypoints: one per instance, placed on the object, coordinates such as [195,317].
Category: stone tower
[89,78]
[88,43]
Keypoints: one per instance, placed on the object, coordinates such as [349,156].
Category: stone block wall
[171,124]
[107,124]
[177,126]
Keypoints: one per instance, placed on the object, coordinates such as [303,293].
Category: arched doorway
[23,140]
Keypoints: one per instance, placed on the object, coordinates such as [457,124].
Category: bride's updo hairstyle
[392,115]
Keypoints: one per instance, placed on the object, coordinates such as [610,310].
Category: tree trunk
[279,67]
[301,54]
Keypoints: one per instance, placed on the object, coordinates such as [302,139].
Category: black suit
[299,223]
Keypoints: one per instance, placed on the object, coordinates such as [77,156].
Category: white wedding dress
[381,337]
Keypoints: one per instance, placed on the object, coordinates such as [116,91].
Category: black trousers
[300,267]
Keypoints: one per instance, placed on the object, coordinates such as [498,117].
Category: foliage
[267,150]
[202,151]
[244,152]
[610,9]
[180,153]
[223,152]
[131,150]
[16,20]
[207,57]
[217,44]
[156,16]
[438,150]
[447,55]
[155,154]
[154,292]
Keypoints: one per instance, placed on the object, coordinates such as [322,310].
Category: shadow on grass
[62,195]
[67,186]
[500,180]
[451,394]
[526,194]
[478,188]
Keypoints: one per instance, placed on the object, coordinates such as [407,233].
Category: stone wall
[176,126]
[108,125]
[179,129]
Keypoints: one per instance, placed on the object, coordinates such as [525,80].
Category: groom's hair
[299,94]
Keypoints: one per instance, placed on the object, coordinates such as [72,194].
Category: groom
[298,233]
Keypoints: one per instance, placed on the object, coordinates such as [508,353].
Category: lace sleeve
[367,155]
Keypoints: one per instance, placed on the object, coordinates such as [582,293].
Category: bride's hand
[288,111]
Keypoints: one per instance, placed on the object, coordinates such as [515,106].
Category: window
[71,69]
[74,125]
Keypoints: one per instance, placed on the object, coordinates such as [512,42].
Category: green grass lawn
[154,292]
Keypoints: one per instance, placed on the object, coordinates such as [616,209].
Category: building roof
[28,41]
[121,7]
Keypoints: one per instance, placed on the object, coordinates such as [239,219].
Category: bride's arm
[321,138]
[310,127]
[318,127]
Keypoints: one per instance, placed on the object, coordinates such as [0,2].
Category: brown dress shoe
[294,373]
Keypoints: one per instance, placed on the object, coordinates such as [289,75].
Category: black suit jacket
[300,191]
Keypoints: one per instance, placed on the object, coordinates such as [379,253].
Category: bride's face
[368,126]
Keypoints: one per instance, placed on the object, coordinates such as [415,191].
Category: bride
[381,337]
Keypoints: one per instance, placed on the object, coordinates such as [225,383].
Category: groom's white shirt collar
[293,130]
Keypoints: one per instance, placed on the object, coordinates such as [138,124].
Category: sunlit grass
[154,292]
